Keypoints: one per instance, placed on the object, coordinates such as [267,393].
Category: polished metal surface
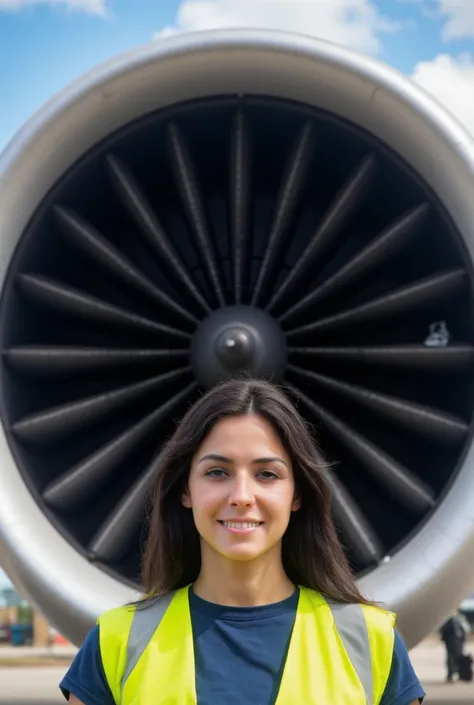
[422,577]
[238,339]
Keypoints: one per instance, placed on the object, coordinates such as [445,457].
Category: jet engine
[237,202]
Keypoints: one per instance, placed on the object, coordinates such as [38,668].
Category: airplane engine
[227,202]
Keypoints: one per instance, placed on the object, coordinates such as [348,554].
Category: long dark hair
[311,551]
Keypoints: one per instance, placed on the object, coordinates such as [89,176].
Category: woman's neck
[242,583]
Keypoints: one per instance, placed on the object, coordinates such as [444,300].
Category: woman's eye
[268,475]
[216,472]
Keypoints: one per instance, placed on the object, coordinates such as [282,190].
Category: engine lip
[417,579]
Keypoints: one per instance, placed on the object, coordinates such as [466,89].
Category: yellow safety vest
[338,654]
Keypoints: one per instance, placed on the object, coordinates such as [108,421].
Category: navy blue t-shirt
[239,655]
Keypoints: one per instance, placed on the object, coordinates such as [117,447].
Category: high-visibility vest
[338,654]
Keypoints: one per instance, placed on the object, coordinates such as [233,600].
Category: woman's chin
[240,552]
[244,556]
[239,548]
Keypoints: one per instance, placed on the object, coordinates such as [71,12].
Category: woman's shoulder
[381,630]
[116,622]
[85,677]
[403,685]
[379,618]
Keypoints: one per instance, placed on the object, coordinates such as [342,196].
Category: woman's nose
[241,493]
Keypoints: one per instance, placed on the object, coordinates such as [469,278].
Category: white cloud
[459,16]
[354,23]
[451,80]
[93,7]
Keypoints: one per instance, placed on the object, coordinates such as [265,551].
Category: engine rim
[18,537]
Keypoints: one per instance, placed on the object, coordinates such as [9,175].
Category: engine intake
[180,216]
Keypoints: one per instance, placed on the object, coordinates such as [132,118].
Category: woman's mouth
[240,527]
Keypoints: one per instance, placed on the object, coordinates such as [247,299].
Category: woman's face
[241,488]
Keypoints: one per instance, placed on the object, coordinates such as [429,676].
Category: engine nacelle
[226,201]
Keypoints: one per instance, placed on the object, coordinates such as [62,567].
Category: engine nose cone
[238,340]
[235,347]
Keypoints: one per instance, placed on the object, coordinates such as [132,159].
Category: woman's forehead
[243,435]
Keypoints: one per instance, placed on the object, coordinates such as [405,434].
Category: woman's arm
[85,682]
[403,686]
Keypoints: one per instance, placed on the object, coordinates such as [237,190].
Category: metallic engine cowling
[176,216]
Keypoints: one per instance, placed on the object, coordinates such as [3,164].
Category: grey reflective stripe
[352,628]
[146,621]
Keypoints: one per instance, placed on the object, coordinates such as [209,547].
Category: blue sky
[44,44]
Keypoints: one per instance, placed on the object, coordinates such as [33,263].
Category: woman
[249,596]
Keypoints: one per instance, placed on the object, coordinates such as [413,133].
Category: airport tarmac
[27,685]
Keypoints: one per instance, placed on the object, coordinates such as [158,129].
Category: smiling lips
[240,527]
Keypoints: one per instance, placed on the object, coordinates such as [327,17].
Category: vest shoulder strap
[124,634]
[380,626]
[352,629]
[146,621]
[114,631]
[367,635]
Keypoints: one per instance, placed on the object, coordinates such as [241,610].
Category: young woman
[249,596]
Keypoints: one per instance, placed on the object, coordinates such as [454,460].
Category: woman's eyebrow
[213,456]
[223,459]
[270,460]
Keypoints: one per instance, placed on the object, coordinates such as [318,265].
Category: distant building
[9,597]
